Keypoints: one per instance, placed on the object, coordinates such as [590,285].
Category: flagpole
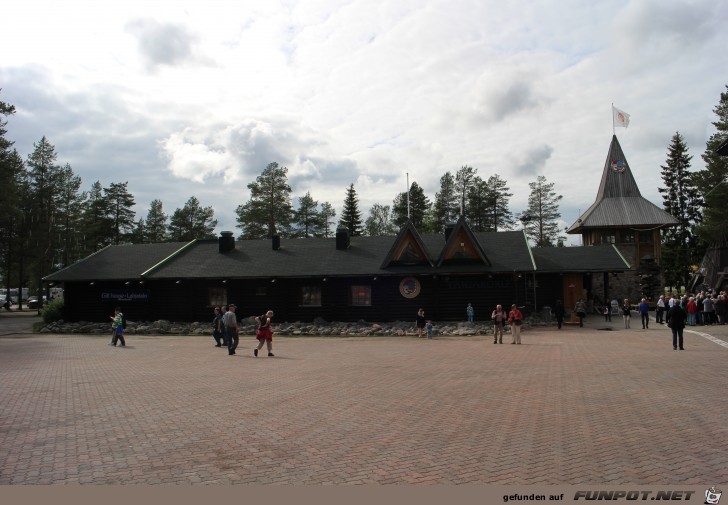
[614,132]
[408,202]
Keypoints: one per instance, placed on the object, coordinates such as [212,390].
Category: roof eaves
[75,263]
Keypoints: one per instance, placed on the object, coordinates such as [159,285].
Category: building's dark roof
[502,252]
[600,258]
[619,202]
[317,257]
[116,262]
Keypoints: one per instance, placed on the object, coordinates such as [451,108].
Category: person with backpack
[118,323]
[264,333]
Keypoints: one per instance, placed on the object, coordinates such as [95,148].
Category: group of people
[498,316]
[515,320]
[225,330]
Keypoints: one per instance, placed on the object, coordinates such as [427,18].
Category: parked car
[32,303]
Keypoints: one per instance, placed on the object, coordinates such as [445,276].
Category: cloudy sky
[188,99]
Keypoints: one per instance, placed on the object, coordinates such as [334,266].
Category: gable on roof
[407,249]
[462,247]
[619,202]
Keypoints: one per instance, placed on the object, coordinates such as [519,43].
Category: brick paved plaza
[574,406]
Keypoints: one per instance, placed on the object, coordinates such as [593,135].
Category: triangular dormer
[461,246]
[407,249]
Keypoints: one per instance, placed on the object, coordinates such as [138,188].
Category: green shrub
[53,311]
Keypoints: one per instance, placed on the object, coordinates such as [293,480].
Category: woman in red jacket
[692,309]
[515,319]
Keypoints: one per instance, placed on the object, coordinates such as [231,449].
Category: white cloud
[360,91]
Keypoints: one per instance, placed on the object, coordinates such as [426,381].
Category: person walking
[559,313]
[626,311]
[421,322]
[117,324]
[499,319]
[429,329]
[580,310]
[644,309]
[660,311]
[470,311]
[264,334]
[678,315]
[217,327]
[515,320]
[230,320]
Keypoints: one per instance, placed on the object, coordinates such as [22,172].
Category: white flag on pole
[621,118]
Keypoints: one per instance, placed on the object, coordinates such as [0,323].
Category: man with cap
[231,329]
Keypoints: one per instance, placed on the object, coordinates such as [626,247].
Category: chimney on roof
[342,238]
[276,242]
[226,241]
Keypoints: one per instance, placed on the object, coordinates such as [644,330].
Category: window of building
[217,297]
[627,237]
[608,237]
[311,296]
[361,295]
[646,237]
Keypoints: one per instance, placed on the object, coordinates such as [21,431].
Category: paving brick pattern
[567,407]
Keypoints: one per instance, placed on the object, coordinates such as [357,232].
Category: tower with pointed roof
[620,215]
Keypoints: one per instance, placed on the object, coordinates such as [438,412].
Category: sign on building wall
[125,295]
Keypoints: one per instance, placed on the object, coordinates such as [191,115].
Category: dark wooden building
[338,279]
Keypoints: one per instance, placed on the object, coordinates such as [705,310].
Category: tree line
[696,199]
[47,222]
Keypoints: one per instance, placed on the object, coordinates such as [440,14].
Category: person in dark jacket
[559,313]
[678,316]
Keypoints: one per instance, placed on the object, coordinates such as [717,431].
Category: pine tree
[69,218]
[307,219]
[500,217]
[478,196]
[43,174]
[681,199]
[155,228]
[419,204]
[446,207]
[540,218]
[14,187]
[712,182]
[119,204]
[139,234]
[350,215]
[192,222]
[98,232]
[268,212]
[464,179]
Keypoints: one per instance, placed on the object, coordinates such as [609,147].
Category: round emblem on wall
[410,287]
[619,166]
